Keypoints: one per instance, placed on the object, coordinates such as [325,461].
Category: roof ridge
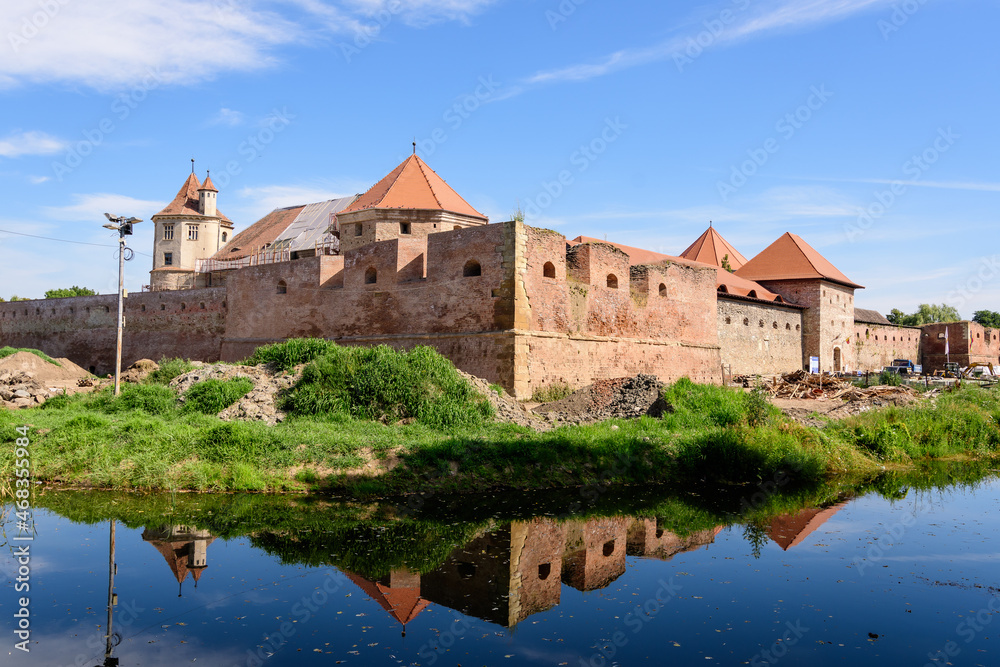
[420,165]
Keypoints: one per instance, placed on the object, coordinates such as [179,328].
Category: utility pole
[123,226]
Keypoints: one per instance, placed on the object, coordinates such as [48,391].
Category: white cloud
[228,117]
[780,15]
[38,180]
[30,143]
[101,45]
[92,207]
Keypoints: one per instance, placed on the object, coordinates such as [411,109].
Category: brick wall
[827,324]
[187,324]
[759,338]
[968,342]
[875,346]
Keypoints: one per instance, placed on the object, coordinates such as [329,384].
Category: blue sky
[868,127]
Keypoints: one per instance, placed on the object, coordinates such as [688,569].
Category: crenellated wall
[759,338]
[875,346]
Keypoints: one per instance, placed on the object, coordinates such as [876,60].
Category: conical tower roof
[711,248]
[208,185]
[791,258]
[413,185]
[186,202]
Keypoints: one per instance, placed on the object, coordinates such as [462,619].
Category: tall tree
[988,318]
[69,291]
[927,313]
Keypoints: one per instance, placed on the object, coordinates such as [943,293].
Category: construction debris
[807,385]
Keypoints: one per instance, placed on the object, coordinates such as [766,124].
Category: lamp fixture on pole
[123,226]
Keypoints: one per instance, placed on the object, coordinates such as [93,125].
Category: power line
[48,238]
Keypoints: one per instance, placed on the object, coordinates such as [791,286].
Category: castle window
[746,321]
[544,569]
[612,281]
[168,259]
[729,320]
[106,309]
[282,287]
[760,324]
[866,334]
[143,308]
[797,327]
[472,268]
[192,232]
[357,229]
[224,236]
[774,325]
[163,306]
[549,270]
[168,232]
[788,327]
[202,305]
[404,228]
[609,548]
[457,227]
[183,306]
[752,294]
[663,289]
[371,275]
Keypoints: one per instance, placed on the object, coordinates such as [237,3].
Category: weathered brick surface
[827,324]
[758,338]
[187,323]
[968,342]
[876,346]
[595,552]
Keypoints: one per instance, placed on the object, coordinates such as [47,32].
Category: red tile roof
[791,258]
[402,603]
[413,185]
[187,201]
[710,248]
[790,530]
[208,185]
[733,284]
[260,233]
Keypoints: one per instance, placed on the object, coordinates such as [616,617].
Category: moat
[893,571]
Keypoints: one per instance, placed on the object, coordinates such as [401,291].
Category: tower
[190,228]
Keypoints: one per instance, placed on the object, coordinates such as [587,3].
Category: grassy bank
[372,421]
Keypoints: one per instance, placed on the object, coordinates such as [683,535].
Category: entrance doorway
[836,360]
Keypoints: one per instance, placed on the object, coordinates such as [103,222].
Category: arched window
[544,570]
[282,287]
[609,548]
[723,289]
[761,324]
[225,237]
[788,327]
[774,325]
[752,294]
[183,306]
[549,270]
[729,320]
[663,289]
[472,268]
[612,281]
[746,321]
[371,275]
[798,327]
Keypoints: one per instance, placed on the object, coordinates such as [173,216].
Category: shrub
[382,384]
[290,353]
[211,397]
[168,370]
[890,379]
[553,392]
[152,399]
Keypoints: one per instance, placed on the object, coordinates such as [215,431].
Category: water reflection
[185,548]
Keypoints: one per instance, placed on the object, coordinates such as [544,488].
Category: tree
[726,265]
[927,313]
[69,291]
[15,297]
[987,318]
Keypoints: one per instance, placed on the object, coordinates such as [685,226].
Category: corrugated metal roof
[311,225]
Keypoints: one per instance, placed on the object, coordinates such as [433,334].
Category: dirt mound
[617,398]
[44,372]
[258,405]
[140,370]
[509,410]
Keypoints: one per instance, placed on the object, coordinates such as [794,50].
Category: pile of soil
[139,371]
[617,398]
[258,405]
[27,380]
[509,409]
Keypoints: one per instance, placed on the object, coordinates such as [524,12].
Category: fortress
[410,262]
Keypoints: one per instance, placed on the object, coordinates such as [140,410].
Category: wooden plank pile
[807,385]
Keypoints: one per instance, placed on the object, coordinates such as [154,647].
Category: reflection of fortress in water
[516,570]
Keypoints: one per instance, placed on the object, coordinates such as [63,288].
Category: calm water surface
[865,577]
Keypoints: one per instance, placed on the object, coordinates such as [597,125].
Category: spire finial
[709,224]
[192,165]
[414,147]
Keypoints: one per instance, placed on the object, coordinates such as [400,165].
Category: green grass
[290,353]
[6,351]
[168,370]
[553,392]
[211,397]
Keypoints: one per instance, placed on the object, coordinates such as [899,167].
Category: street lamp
[123,226]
